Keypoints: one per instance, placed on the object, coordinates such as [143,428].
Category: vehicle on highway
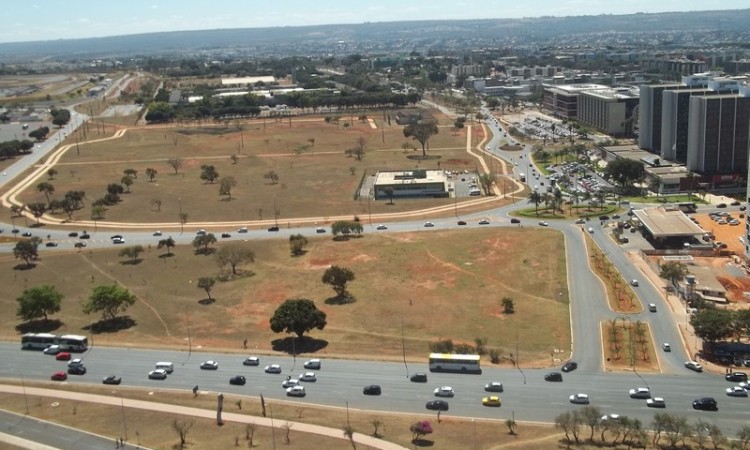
[289,382]
[242,230]
[634,283]
[656,402]
[157,374]
[73,234]
[381,227]
[312,364]
[652,307]
[112,379]
[736,391]
[579,399]
[308,376]
[296,391]
[736,376]
[492,400]
[613,416]
[157,233]
[721,205]
[484,222]
[78,369]
[209,365]
[543,223]
[238,380]
[666,347]
[79,244]
[461,222]
[251,361]
[59,376]
[569,366]
[75,362]
[273,228]
[451,362]
[640,393]
[372,389]
[225,235]
[116,236]
[200,233]
[694,366]
[515,220]
[580,221]
[604,217]
[705,404]
[419,378]
[118,241]
[51,244]
[63,356]
[53,349]
[165,365]
[494,386]
[273,368]
[320,230]
[26,234]
[444,391]
[429,224]
[84,235]
[553,376]
[437,405]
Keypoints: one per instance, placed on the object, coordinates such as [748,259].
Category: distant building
[247,80]
[411,183]
[609,110]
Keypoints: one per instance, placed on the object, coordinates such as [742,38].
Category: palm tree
[558,200]
[536,198]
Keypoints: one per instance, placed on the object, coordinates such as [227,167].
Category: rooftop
[662,223]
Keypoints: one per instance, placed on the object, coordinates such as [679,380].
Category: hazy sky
[33,20]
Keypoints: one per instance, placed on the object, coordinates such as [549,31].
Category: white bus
[451,362]
[67,342]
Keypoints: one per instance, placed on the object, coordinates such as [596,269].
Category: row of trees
[40,301]
[11,149]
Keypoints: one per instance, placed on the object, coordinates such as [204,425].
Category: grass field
[442,284]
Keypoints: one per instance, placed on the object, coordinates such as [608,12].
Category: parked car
[273,368]
[705,404]
[692,365]
[296,391]
[238,380]
[444,391]
[209,365]
[569,366]
[656,402]
[494,386]
[492,400]
[372,389]
[437,405]
[736,376]
[112,379]
[640,393]
[579,399]
[59,376]
[553,376]
[251,361]
[157,374]
[313,364]
[419,378]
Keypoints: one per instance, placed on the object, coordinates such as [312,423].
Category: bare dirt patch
[628,346]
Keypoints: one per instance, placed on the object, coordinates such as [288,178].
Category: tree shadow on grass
[422,443]
[340,300]
[296,345]
[39,326]
[111,325]
[423,158]
[24,266]
[131,262]
[166,255]
[207,301]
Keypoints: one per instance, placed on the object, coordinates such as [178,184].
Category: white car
[273,368]
[242,230]
[209,365]
[296,391]
[736,391]
[157,374]
[579,399]
[543,223]
[666,347]
[429,224]
[656,402]
[313,364]
[52,350]
[157,233]
[444,391]
[692,365]
[381,227]
[634,283]
[251,361]
[494,386]
[290,382]
[75,362]
[308,376]
[641,392]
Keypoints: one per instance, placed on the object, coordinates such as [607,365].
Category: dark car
[514,220]
[238,380]
[462,222]
[553,376]
[79,244]
[604,217]
[437,405]
[569,366]
[59,376]
[73,234]
[112,379]
[273,228]
[226,235]
[116,237]
[84,236]
[705,404]
[51,244]
[721,205]
[735,203]
[77,370]
[419,378]
[372,389]
[736,376]
[26,234]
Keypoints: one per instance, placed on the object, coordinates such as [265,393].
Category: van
[166,366]
[652,307]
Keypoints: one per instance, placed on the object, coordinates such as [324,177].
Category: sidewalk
[200,413]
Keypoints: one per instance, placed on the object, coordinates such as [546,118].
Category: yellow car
[492,400]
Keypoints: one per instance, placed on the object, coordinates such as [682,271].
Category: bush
[444,346]
[494,356]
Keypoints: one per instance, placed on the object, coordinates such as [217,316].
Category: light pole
[182,220]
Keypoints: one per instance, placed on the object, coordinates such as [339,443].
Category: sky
[39,20]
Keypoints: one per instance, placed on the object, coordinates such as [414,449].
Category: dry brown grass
[633,352]
[620,295]
[443,284]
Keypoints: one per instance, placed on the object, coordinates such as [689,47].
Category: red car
[59,376]
[63,356]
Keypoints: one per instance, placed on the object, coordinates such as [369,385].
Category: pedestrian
[195,391]
[244,344]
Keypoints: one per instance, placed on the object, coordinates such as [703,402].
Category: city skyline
[52,20]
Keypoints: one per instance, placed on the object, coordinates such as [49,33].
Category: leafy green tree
[204,241]
[508,307]
[132,252]
[130,173]
[421,133]
[109,300]
[45,188]
[168,243]
[346,227]
[40,134]
[209,173]
[97,212]
[39,301]
[624,172]
[297,244]
[713,324]
[486,180]
[338,278]
[591,415]
[299,316]
[151,173]
[673,271]
[536,198]
[52,173]
[233,255]
[225,186]
[37,209]
[127,182]
[207,283]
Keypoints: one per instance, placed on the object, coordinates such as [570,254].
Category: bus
[67,342]
[451,362]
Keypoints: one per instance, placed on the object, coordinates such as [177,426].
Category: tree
[39,301]
[271,175]
[130,173]
[168,243]
[298,315]
[389,193]
[338,277]
[182,428]
[713,324]
[233,255]
[225,186]
[204,241]
[536,198]
[132,252]
[421,133]
[97,212]
[508,307]
[590,416]
[346,227]
[743,438]
[624,172]
[297,244]
[151,173]
[209,173]
[175,164]
[76,197]
[349,434]
[207,283]
[486,180]
[673,271]
[358,150]
[376,424]
[110,300]
[127,182]
[52,173]
[45,188]
[39,134]
[37,209]
[570,423]
[420,429]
